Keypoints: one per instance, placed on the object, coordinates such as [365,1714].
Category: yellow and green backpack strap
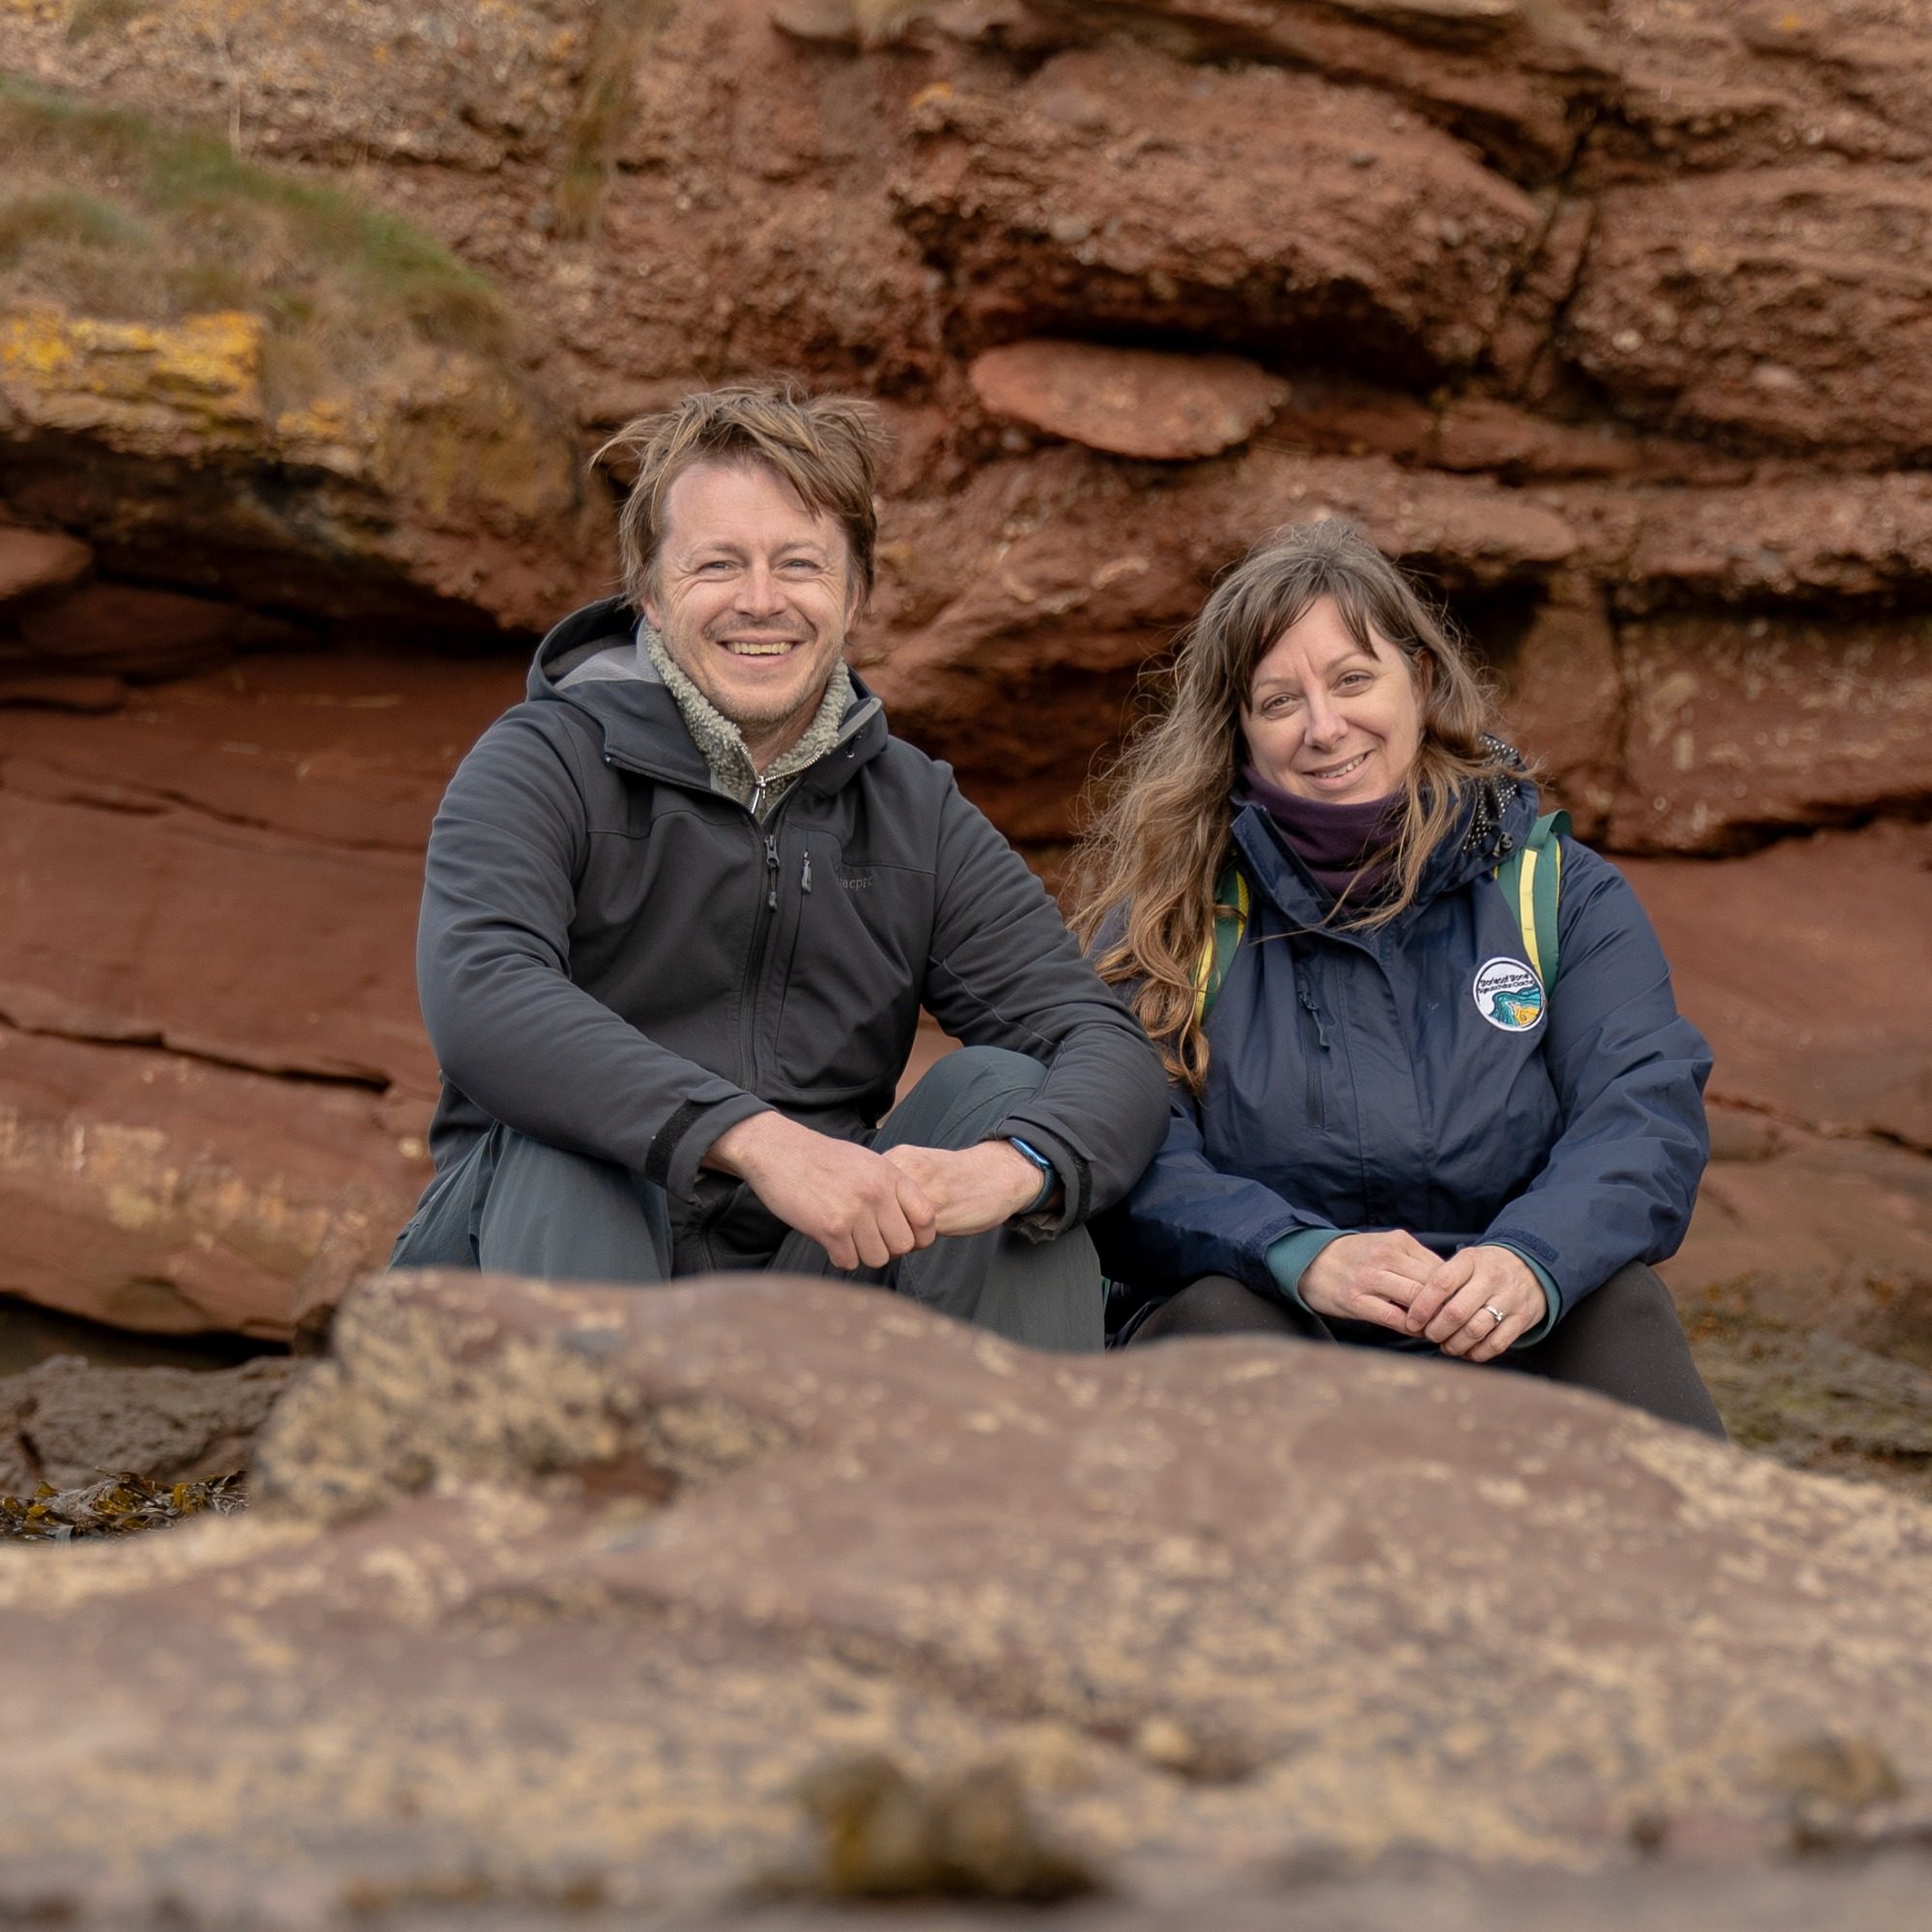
[1217,950]
[1531,879]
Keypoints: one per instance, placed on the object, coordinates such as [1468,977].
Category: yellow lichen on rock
[460,435]
[440,431]
[327,433]
[140,386]
[165,297]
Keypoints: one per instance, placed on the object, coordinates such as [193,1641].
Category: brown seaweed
[117,1506]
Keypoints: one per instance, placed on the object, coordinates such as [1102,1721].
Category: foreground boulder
[564,1596]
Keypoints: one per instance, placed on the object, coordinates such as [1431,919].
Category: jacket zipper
[1317,1111]
[751,987]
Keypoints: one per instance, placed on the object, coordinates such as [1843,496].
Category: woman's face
[1325,718]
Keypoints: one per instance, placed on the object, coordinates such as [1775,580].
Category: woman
[1366,1141]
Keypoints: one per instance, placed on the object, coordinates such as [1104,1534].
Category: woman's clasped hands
[1474,1305]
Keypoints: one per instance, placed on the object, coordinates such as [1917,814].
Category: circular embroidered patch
[1509,995]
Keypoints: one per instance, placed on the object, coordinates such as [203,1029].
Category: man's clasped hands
[865,1209]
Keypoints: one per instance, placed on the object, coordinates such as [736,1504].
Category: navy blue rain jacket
[1355,1083]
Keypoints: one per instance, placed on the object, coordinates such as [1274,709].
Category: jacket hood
[639,720]
[601,626]
[1453,863]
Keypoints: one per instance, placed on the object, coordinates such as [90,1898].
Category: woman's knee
[1636,1300]
[1625,1341]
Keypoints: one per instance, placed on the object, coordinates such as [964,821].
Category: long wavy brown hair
[1146,874]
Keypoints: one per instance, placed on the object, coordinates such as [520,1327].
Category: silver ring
[1498,1314]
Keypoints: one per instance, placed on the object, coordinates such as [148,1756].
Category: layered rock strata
[1606,317]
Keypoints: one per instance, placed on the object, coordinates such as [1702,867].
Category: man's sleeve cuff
[1060,1209]
[1552,1297]
[682,1144]
[1288,1259]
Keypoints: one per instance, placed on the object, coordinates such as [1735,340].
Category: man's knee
[971,1071]
[441,1233]
[524,1165]
[962,1096]
[564,1216]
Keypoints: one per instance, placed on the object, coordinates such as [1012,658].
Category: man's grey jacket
[621,961]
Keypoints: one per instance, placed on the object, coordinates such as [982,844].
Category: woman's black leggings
[1624,1341]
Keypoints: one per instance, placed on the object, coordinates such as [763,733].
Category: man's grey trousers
[517,1206]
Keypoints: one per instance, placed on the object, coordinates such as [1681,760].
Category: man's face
[753,594]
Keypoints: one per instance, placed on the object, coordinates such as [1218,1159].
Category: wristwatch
[1049,1175]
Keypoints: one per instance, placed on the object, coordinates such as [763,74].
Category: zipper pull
[805,878]
[772,866]
[1308,1006]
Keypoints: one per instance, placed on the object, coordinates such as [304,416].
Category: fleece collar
[722,742]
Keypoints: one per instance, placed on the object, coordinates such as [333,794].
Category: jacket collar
[1272,865]
[642,727]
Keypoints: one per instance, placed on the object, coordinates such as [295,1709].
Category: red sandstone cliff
[1614,318]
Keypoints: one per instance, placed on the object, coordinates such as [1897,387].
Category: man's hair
[825,447]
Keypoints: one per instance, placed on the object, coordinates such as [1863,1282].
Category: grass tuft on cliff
[109,213]
[606,102]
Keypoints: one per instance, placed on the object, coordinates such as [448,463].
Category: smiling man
[684,904]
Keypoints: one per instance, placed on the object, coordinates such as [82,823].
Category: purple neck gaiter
[1333,840]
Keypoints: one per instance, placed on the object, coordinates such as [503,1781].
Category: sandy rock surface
[68,1422]
[35,561]
[555,1596]
[1804,963]
[1113,187]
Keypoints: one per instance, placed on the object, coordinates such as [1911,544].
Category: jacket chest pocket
[855,970]
[664,924]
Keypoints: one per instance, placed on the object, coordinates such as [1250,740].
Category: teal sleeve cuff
[1288,1258]
[1552,1297]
